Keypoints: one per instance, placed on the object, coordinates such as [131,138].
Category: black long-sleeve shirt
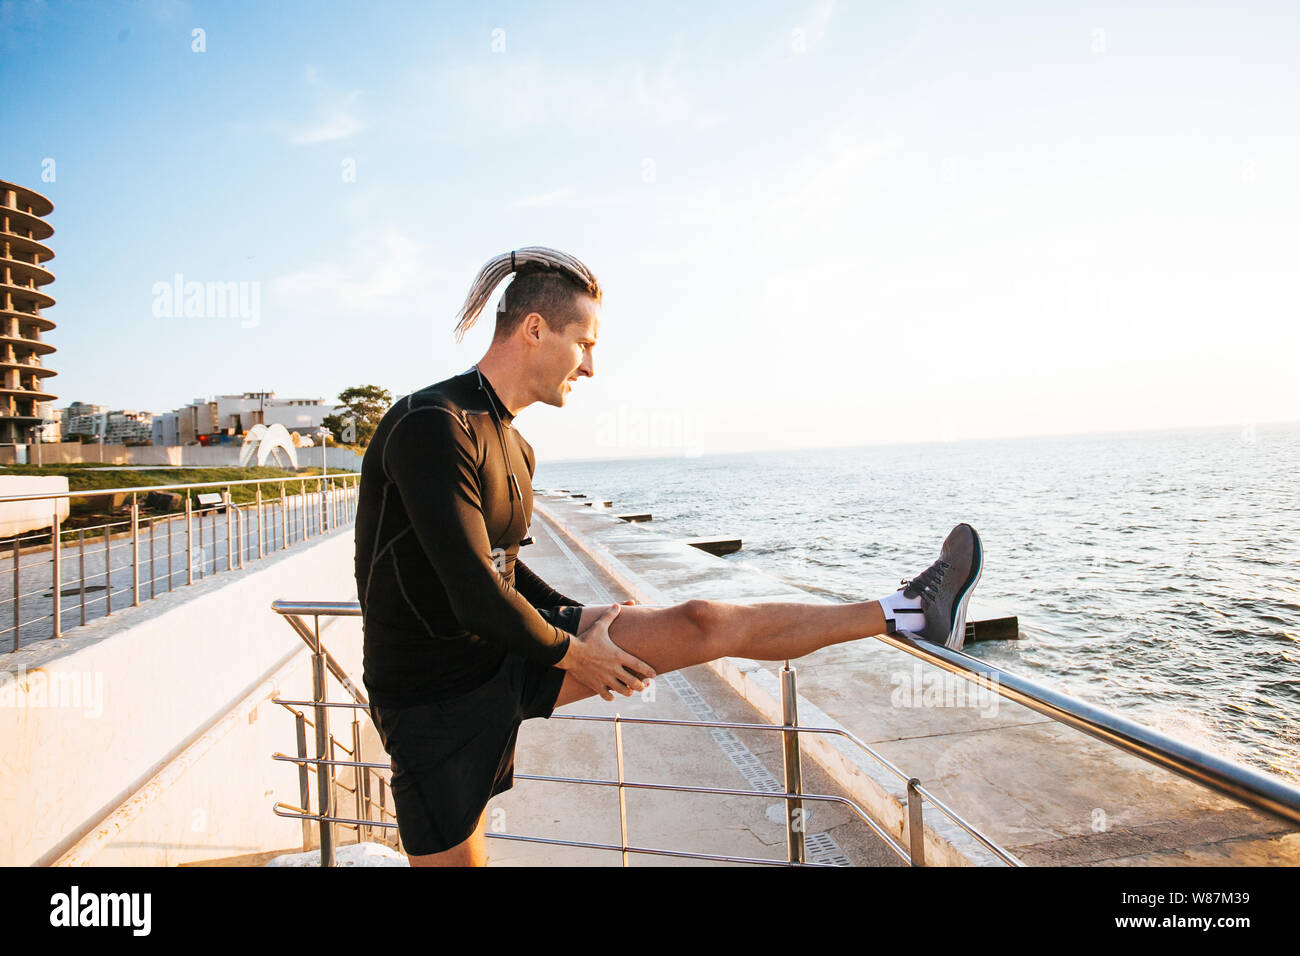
[443,595]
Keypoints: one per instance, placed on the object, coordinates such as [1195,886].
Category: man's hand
[596,661]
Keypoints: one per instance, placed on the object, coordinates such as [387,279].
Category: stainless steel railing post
[260,550]
[189,539]
[794,811]
[324,750]
[135,550]
[230,538]
[108,568]
[17,590]
[153,567]
[1275,797]
[284,519]
[915,824]
[622,794]
[304,777]
[361,779]
[81,569]
[58,587]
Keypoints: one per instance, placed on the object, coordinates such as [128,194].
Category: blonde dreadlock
[545,280]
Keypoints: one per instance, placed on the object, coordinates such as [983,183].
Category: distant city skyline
[816,225]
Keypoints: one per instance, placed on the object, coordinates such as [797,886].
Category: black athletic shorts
[450,757]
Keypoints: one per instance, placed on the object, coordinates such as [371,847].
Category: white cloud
[336,113]
[511,92]
[663,95]
[816,20]
[831,180]
[379,275]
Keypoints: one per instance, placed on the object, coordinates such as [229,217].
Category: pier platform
[734,826]
[1046,792]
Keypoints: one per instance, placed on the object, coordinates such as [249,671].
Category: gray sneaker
[945,587]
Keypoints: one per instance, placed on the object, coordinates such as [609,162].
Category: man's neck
[499,371]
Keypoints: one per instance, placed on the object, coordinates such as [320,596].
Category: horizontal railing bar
[838,731]
[734,725]
[316,608]
[1234,780]
[8,542]
[651,851]
[776,795]
[70,546]
[22,624]
[304,815]
[313,703]
[830,798]
[313,761]
[342,477]
[648,851]
[310,723]
[1009,858]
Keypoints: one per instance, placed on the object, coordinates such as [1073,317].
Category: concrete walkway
[1045,792]
[751,827]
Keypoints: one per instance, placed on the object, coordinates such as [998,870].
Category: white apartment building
[233,415]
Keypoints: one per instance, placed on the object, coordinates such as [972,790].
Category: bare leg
[695,632]
[670,638]
[473,852]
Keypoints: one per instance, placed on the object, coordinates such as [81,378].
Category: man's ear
[532,326]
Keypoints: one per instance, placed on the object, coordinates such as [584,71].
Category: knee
[706,618]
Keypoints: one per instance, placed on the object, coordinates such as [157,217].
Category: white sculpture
[266,441]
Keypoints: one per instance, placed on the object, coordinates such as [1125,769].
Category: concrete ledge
[118,706]
[880,793]
[103,835]
[17,517]
[1041,790]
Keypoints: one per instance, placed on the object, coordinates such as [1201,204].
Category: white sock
[903,613]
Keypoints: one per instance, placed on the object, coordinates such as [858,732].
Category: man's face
[567,354]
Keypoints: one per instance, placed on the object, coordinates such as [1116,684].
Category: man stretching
[463,641]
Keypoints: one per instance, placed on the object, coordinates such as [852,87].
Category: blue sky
[816,223]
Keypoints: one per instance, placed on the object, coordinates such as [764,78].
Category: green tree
[366,405]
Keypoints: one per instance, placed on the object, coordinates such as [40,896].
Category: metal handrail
[194,484]
[1242,783]
[326,741]
[332,498]
[800,795]
[1260,790]
[793,795]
